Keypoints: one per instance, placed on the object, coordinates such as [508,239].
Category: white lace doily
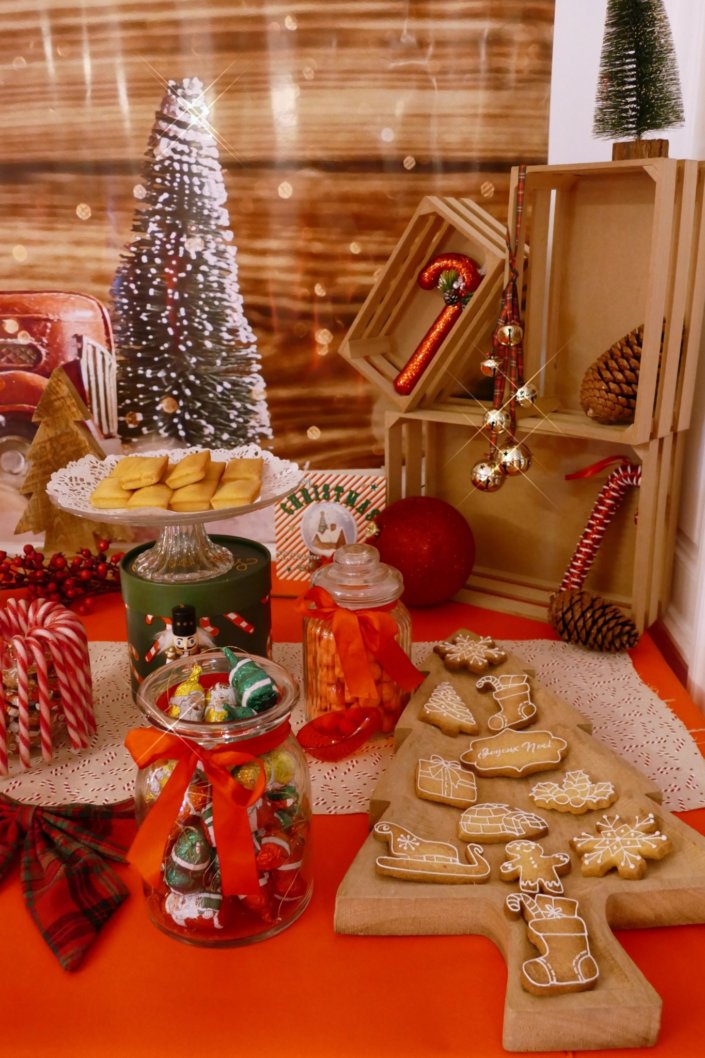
[627,716]
[71,487]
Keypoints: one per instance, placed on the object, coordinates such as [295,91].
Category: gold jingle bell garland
[507,456]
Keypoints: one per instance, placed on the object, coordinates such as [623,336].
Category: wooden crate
[398,312]
[613,245]
[526,533]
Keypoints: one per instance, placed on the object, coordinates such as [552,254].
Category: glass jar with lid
[223,801]
[357,637]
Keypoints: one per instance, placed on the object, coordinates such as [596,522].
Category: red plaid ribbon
[69,889]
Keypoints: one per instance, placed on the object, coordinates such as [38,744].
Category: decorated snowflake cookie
[577,794]
[464,652]
[620,846]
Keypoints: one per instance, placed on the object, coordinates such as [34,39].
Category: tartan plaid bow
[69,889]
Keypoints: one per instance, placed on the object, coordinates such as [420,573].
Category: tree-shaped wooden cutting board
[501,815]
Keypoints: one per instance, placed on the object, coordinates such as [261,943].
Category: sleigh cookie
[420,860]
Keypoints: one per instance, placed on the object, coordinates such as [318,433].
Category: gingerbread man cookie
[576,794]
[446,710]
[464,652]
[535,870]
[623,847]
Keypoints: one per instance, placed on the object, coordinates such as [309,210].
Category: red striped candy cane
[206,625]
[69,705]
[4,763]
[40,663]
[79,670]
[240,622]
[608,502]
[22,663]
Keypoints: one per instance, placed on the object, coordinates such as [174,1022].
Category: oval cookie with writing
[515,753]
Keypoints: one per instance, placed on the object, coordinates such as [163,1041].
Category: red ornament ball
[431,545]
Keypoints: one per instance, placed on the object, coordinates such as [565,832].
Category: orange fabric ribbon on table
[233,836]
[358,631]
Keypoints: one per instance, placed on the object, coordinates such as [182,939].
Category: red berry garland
[61,579]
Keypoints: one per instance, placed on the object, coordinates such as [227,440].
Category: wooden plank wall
[335,117]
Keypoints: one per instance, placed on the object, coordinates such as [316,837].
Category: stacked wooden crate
[613,246]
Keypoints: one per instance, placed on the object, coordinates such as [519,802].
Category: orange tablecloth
[309,993]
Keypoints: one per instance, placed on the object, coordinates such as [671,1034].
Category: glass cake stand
[183,551]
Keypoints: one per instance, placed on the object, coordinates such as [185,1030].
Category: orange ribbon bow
[231,826]
[358,631]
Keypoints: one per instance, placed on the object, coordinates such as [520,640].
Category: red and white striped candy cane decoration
[69,700]
[609,500]
[4,762]
[239,621]
[22,663]
[44,696]
[71,634]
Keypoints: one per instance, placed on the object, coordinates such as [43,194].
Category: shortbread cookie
[446,710]
[534,870]
[490,823]
[214,471]
[465,652]
[512,694]
[109,494]
[194,497]
[515,753]
[418,860]
[242,467]
[576,794]
[150,496]
[554,926]
[445,781]
[188,470]
[138,472]
[621,846]
[236,493]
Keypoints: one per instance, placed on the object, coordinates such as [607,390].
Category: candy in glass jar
[357,638]
[223,802]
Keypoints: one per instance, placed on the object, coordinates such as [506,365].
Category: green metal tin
[232,610]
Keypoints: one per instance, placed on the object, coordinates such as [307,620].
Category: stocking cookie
[535,870]
[513,696]
[464,652]
[420,860]
[497,822]
[445,781]
[623,847]
[554,926]
[446,710]
[576,794]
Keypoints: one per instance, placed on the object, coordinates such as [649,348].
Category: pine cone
[609,387]
[580,617]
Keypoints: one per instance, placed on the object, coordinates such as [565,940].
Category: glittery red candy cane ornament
[577,615]
[457,276]
[610,499]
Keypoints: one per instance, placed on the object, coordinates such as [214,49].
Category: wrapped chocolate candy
[189,699]
[254,687]
[235,864]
